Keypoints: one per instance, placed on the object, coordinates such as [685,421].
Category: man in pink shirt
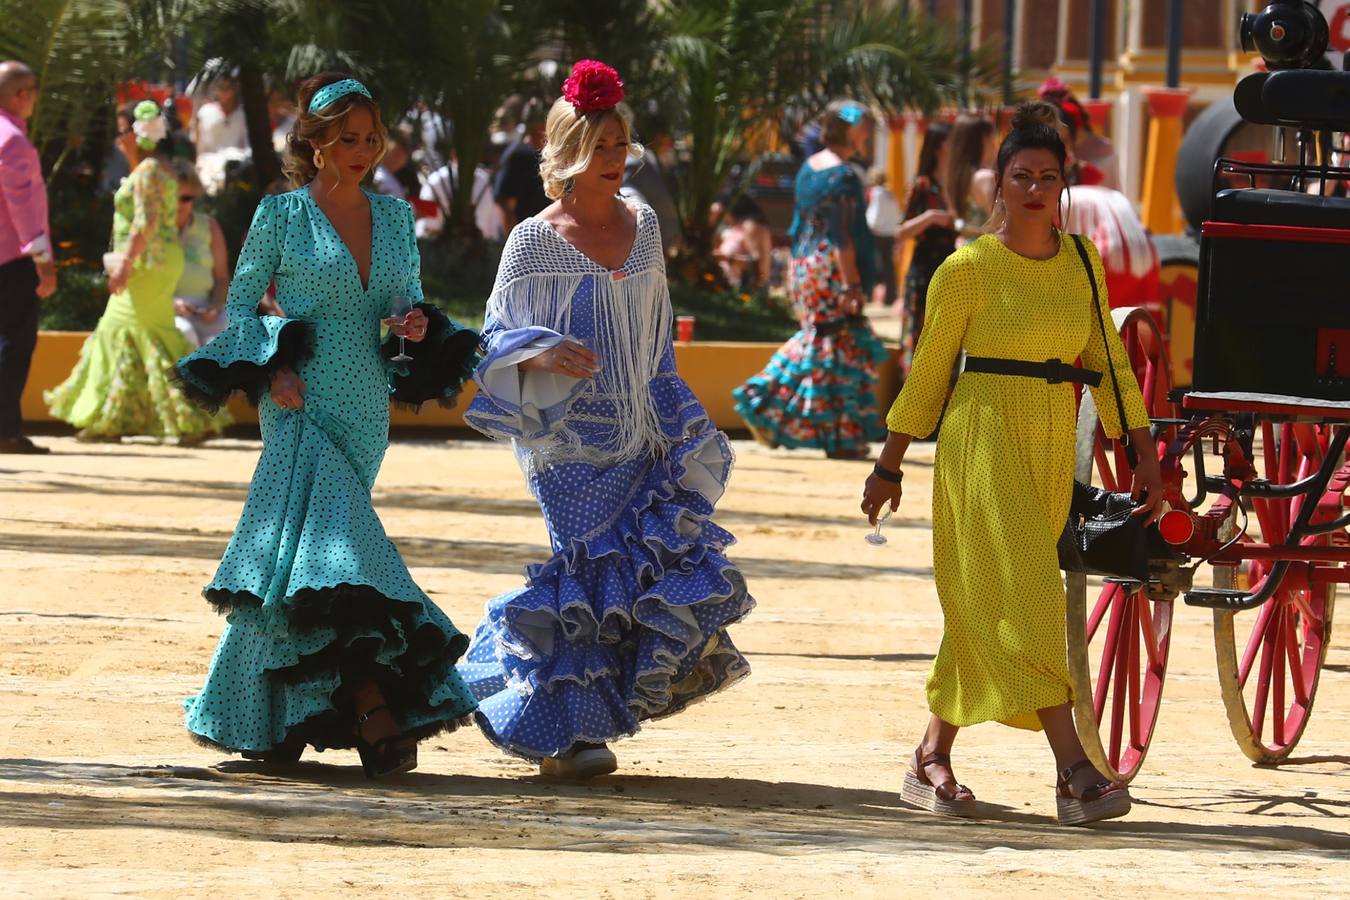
[27,270]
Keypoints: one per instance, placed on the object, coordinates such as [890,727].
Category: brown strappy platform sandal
[390,755]
[1103,800]
[946,799]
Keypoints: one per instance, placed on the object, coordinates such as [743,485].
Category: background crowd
[199,160]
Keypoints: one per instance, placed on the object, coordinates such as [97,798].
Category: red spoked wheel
[1118,638]
[1270,658]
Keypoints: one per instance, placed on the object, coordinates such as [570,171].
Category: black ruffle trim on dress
[441,362]
[209,384]
[364,620]
[332,730]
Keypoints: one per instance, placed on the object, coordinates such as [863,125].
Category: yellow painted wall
[712,369]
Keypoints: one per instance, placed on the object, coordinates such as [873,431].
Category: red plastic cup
[684,329]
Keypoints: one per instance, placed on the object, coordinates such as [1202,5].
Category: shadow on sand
[313,802]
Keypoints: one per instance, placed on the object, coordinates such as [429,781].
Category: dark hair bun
[1036,114]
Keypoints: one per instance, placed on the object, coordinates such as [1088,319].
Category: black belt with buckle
[1052,371]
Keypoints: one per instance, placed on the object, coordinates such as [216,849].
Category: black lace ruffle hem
[365,621]
[441,362]
[209,384]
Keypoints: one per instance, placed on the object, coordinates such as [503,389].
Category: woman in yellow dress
[1003,473]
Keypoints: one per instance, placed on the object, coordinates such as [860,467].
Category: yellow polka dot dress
[1004,467]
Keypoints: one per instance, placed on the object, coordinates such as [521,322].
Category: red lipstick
[1034,206]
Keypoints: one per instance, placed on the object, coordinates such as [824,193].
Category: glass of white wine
[399,307]
[875,537]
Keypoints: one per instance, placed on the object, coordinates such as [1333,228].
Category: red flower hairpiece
[592,86]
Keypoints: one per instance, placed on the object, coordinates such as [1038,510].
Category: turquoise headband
[330,92]
[852,113]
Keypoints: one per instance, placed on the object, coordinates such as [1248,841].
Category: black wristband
[886,474]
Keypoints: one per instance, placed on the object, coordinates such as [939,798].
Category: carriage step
[1216,598]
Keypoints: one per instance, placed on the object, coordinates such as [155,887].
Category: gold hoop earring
[318,158]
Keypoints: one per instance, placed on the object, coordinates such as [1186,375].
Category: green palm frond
[737,63]
[81,50]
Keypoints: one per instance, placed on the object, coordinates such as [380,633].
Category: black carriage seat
[1273,307]
[1273,406]
[1262,206]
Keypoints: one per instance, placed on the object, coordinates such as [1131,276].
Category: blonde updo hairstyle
[1035,126]
[570,141]
[321,129]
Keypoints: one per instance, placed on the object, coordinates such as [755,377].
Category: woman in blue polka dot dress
[628,620]
[329,642]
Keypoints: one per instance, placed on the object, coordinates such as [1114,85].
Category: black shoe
[392,755]
[22,445]
[281,755]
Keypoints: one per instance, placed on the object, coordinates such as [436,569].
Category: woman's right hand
[288,389]
[876,494]
[567,358]
[119,276]
[940,218]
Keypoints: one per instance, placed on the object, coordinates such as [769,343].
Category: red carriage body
[1253,456]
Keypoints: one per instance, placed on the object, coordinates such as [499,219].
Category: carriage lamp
[1176,527]
[1289,34]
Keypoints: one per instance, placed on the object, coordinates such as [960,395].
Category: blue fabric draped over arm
[519,404]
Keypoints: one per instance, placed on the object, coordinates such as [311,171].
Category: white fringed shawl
[539,275]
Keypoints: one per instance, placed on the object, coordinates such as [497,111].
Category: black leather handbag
[1103,536]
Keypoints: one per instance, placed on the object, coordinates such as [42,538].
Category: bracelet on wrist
[886,474]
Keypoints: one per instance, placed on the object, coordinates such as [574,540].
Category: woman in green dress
[120,386]
[329,642]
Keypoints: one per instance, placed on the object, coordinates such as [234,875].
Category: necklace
[603,226]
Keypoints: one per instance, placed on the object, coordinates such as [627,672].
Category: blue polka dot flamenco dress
[318,598]
[628,619]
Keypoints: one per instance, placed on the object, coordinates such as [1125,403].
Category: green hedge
[81,294]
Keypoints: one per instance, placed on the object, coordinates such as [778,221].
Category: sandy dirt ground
[786,785]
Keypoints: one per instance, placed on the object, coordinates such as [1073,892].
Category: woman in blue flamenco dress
[627,621]
[818,390]
[329,642]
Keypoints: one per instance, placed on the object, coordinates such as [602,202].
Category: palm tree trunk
[253,95]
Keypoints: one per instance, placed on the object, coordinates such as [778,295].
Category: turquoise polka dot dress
[318,598]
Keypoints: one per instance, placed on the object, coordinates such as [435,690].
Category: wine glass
[876,538]
[399,307]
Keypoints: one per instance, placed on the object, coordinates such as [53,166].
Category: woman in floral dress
[818,390]
[120,385]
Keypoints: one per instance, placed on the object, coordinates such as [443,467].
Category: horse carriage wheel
[1269,685]
[1118,643]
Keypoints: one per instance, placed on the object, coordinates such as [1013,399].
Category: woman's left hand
[1147,490]
[413,327]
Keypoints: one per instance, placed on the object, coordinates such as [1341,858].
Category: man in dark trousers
[27,270]
[519,190]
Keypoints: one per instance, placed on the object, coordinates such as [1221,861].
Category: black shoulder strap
[1130,453]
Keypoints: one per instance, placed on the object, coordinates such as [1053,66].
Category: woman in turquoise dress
[818,390]
[329,642]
